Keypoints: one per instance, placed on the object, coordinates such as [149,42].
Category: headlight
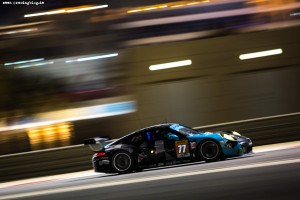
[236,133]
[228,137]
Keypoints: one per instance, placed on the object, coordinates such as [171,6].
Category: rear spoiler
[97,143]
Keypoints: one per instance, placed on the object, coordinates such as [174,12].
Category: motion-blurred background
[77,69]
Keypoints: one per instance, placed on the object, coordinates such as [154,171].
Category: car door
[179,145]
[145,147]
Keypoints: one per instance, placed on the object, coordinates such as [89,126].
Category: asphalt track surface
[264,175]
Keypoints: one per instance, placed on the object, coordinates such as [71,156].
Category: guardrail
[281,128]
[265,130]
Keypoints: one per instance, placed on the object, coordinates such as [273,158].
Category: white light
[170,65]
[151,8]
[24,61]
[261,54]
[11,32]
[65,11]
[18,31]
[92,58]
[45,13]
[28,30]
[86,9]
[75,114]
[34,65]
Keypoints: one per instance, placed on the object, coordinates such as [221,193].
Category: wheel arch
[205,140]
[134,162]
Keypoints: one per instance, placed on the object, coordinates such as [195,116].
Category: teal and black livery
[165,144]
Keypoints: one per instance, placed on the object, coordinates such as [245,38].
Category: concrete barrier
[282,128]
[266,130]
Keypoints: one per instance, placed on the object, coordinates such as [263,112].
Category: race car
[164,144]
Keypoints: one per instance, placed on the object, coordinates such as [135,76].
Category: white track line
[258,149]
[50,178]
[147,179]
[279,146]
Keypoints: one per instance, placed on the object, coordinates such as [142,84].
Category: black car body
[164,144]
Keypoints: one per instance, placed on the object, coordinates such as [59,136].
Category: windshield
[183,129]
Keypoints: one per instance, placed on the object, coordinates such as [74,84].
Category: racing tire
[122,162]
[209,151]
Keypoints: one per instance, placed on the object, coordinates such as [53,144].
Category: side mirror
[173,137]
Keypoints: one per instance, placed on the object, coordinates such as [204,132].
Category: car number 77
[181,148]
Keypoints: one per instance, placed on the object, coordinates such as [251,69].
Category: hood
[234,135]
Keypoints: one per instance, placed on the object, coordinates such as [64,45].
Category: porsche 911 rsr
[164,144]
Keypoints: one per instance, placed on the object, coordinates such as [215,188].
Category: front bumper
[237,148]
[246,147]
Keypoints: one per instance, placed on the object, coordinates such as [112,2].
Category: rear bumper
[101,165]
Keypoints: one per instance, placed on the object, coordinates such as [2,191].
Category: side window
[158,134]
[136,139]
[173,135]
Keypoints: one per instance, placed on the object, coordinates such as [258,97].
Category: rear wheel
[209,150]
[122,162]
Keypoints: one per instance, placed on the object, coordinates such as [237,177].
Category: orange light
[192,3]
[133,11]
[176,6]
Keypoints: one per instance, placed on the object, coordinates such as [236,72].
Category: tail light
[100,154]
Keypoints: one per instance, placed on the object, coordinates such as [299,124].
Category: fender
[97,143]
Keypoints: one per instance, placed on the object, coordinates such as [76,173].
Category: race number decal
[182,148]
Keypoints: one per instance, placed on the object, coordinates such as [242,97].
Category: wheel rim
[209,150]
[122,162]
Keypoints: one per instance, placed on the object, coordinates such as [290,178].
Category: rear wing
[97,143]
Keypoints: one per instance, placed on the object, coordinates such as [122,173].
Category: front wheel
[122,162]
[209,150]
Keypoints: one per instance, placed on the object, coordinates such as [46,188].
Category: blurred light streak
[170,65]
[34,65]
[176,6]
[46,13]
[24,61]
[170,38]
[269,26]
[295,14]
[18,31]
[133,11]
[260,54]
[171,5]
[23,25]
[163,6]
[192,3]
[205,16]
[92,58]
[151,8]
[60,132]
[86,8]
[75,114]
[147,9]
[66,10]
